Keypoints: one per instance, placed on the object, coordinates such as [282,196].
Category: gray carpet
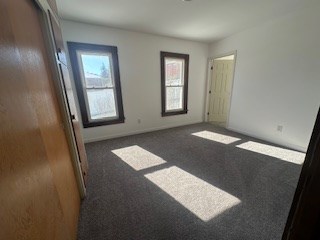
[193,188]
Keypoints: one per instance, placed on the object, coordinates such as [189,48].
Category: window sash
[85,88]
[182,99]
[181,73]
[174,76]
[180,77]
[92,119]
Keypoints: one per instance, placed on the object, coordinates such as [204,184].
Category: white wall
[277,77]
[139,62]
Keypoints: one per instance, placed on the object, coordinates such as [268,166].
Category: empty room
[160,120]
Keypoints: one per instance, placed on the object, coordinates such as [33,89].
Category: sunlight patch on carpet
[221,138]
[138,158]
[199,197]
[277,152]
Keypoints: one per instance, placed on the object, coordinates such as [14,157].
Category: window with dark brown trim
[97,79]
[174,83]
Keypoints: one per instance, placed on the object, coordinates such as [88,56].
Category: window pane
[174,98]
[174,71]
[101,103]
[97,70]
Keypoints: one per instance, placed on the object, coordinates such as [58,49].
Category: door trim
[209,82]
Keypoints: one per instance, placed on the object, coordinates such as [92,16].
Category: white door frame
[209,82]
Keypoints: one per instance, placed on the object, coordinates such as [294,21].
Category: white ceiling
[200,20]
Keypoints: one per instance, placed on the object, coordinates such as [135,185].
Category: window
[97,80]
[174,83]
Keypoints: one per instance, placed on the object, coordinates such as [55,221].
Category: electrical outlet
[279,128]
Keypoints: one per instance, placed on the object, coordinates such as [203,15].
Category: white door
[221,84]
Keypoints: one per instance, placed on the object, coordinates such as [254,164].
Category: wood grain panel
[29,203]
[39,198]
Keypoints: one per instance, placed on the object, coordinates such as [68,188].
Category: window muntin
[174,78]
[97,79]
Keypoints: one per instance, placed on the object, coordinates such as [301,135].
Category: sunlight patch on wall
[138,158]
[277,152]
[225,139]
[199,197]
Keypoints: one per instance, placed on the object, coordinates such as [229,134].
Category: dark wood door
[304,217]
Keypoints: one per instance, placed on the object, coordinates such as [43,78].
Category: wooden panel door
[221,85]
[39,198]
[75,121]
[62,62]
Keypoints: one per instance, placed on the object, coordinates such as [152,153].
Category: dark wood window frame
[73,47]
[185,57]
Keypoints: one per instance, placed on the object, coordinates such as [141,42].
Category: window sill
[166,114]
[103,123]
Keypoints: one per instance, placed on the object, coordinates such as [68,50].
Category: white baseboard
[287,145]
[89,140]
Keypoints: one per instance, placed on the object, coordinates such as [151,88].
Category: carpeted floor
[193,182]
